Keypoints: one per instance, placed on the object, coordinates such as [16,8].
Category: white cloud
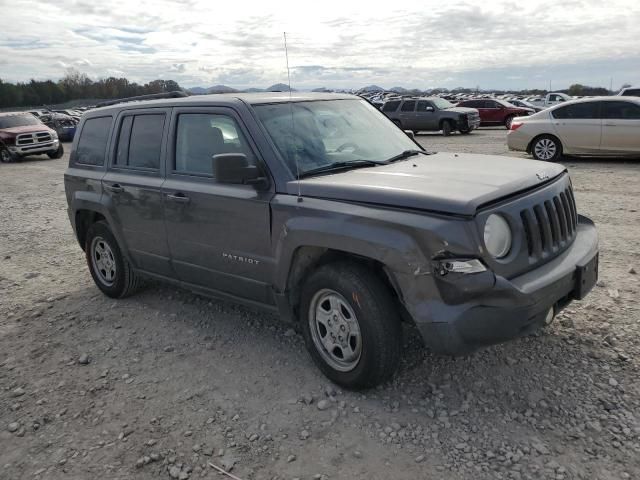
[414,43]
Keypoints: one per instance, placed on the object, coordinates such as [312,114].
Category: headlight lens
[497,236]
[54,135]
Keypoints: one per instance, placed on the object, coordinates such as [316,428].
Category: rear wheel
[111,271]
[508,121]
[350,325]
[546,148]
[447,128]
[58,153]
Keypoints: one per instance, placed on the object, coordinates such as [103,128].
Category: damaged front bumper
[482,308]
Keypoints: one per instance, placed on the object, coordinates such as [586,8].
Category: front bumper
[515,307]
[35,149]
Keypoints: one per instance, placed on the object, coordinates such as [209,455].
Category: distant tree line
[75,86]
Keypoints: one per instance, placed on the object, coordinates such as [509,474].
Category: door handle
[178,197]
[115,188]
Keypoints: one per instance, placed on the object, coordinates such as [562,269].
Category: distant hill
[372,88]
[221,89]
[198,90]
[280,87]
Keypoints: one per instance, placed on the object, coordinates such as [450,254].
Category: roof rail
[153,96]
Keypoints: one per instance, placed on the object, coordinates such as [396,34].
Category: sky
[490,44]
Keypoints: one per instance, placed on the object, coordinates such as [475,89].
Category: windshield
[318,134]
[441,103]
[11,121]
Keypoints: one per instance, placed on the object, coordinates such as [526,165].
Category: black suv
[318,207]
[431,114]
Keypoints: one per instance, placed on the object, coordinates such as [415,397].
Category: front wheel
[350,325]
[546,148]
[6,156]
[57,154]
[447,128]
[111,271]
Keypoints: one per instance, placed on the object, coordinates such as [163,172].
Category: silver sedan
[601,126]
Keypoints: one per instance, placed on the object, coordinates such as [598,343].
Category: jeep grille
[550,225]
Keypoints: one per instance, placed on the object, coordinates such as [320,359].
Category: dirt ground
[162,384]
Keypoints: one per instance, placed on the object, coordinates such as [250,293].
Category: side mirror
[234,168]
[429,109]
[410,134]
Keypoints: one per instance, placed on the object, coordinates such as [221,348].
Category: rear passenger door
[133,186]
[408,115]
[219,234]
[620,127]
[579,127]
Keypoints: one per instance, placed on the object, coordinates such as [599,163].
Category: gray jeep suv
[318,207]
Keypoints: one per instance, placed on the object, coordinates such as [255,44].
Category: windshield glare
[311,135]
[442,103]
[11,121]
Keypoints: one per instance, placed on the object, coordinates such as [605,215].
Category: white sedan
[601,126]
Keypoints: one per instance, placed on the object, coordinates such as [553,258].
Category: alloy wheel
[545,149]
[335,330]
[103,261]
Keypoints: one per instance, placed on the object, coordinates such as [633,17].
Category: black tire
[6,156]
[465,132]
[447,128]
[376,314]
[57,154]
[508,121]
[125,280]
[415,132]
[546,148]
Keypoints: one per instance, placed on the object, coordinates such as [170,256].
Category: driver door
[219,235]
[426,117]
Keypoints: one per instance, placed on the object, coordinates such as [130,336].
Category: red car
[23,134]
[496,112]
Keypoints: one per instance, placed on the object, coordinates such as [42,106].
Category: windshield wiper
[337,166]
[406,154]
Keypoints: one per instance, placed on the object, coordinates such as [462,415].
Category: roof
[230,99]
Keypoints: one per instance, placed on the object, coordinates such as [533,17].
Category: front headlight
[54,135]
[497,236]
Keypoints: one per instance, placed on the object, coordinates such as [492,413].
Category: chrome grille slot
[33,138]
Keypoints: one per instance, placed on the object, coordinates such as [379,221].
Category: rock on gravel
[84,359]
[13,427]
[323,404]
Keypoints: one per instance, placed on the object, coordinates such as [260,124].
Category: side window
[632,92]
[578,111]
[391,106]
[140,141]
[422,106]
[409,106]
[93,141]
[621,110]
[490,104]
[200,136]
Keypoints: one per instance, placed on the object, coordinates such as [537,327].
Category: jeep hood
[442,182]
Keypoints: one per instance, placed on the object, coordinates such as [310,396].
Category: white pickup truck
[550,99]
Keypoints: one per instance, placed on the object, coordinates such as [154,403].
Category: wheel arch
[307,258]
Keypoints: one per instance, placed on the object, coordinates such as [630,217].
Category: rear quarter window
[92,144]
[390,106]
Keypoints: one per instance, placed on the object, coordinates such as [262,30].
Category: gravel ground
[165,383]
